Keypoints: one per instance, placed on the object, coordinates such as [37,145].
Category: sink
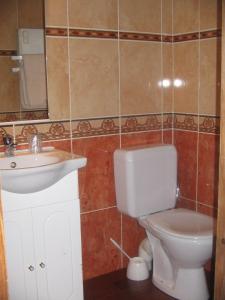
[29,173]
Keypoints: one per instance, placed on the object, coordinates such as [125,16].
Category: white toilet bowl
[181,242]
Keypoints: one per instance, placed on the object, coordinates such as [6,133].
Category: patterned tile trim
[56,31]
[186,37]
[193,122]
[186,122]
[210,34]
[93,34]
[26,115]
[104,34]
[209,124]
[7,52]
[94,127]
[140,36]
[141,123]
[109,126]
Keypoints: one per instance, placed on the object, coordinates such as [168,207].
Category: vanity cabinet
[43,243]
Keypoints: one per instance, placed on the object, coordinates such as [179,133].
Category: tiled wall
[106,61]
[196,53]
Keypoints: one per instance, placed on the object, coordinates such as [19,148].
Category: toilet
[181,240]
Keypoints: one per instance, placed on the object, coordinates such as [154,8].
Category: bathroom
[122,73]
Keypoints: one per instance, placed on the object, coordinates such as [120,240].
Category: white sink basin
[29,173]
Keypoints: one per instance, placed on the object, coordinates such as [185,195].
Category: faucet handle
[7,140]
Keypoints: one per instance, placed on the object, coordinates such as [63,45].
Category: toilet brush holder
[137,269]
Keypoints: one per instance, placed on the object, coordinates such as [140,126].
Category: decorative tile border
[25,115]
[110,126]
[209,124]
[100,34]
[134,36]
[186,37]
[7,52]
[141,123]
[210,34]
[193,122]
[52,31]
[186,122]
[94,127]
[140,36]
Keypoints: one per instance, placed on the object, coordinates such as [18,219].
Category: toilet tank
[145,179]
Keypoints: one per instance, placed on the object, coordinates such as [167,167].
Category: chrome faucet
[9,145]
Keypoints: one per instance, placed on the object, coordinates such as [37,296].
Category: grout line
[198,107]
[173,77]
[120,115]
[162,75]
[69,78]
[97,210]
[119,73]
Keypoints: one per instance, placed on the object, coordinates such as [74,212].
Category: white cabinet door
[58,251]
[21,268]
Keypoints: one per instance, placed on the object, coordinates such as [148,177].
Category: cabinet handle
[42,265]
[31,268]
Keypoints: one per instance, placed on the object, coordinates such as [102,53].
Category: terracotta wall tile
[186,144]
[130,225]
[136,139]
[210,14]
[94,78]
[56,13]
[186,203]
[58,78]
[210,61]
[208,163]
[185,16]
[168,136]
[96,180]
[99,255]
[186,69]
[98,14]
[140,76]
[207,210]
[140,15]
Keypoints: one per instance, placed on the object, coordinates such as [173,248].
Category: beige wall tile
[167,9]
[140,15]
[56,12]
[31,13]
[185,16]
[8,24]
[168,75]
[140,75]
[209,77]
[186,69]
[94,78]
[98,14]
[210,14]
[9,87]
[58,79]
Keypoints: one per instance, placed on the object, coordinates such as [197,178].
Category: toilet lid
[182,223]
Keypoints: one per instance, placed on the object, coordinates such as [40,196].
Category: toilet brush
[120,248]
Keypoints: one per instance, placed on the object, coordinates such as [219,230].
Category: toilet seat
[180,223]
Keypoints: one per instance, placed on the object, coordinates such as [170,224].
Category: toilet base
[189,284]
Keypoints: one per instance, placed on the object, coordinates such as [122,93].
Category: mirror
[23,90]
